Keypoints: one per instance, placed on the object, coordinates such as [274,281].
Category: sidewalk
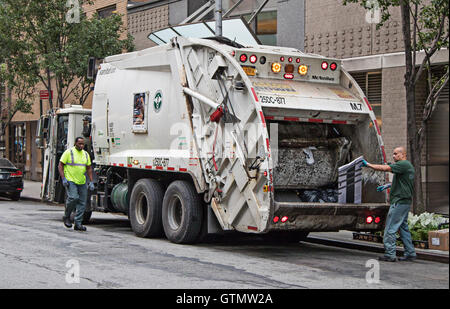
[32,189]
[346,240]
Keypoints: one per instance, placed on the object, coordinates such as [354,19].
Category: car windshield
[5,163]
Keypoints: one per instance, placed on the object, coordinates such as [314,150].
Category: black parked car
[11,180]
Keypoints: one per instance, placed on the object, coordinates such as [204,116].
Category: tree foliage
[55,47]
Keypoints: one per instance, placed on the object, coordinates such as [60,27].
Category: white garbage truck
[206,135]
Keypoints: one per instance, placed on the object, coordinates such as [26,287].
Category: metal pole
[201,97]
[218,16]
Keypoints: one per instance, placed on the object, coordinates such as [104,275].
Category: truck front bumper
[328,216]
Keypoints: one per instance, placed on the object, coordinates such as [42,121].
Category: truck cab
[56,132]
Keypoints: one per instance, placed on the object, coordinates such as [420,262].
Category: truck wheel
[182,213]
[15,196]
[145,208]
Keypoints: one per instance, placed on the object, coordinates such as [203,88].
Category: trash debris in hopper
[319,196]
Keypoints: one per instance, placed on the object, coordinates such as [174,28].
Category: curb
[429,256]
[32,199]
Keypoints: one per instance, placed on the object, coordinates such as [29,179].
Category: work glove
[364,162]
[65,183]
[91,186]
[382,188]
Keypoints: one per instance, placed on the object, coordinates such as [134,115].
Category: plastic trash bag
[319,196]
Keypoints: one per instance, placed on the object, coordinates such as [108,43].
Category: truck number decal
[164,162]
[356,106]
[272,100]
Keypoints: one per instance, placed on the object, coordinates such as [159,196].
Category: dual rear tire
[177,213]
[145,208]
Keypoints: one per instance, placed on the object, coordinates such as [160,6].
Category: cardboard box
[438,240]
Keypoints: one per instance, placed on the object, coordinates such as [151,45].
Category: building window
[266,27]
[18,142]
[264,24]
[370,84]
[107,11]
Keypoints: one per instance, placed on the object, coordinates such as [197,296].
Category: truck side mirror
[92,68]
[42,131]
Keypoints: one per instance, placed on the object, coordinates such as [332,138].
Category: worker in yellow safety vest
[73,165]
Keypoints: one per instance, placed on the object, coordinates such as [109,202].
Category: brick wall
[121,9]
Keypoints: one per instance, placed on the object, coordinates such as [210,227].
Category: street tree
[14,75]
[57,38]
[425,28]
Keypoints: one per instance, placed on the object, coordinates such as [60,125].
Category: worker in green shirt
[402,190]
[73,165]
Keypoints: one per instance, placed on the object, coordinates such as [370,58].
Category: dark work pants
[76,200]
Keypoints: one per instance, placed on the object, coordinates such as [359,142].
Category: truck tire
[15,196]
[145,208]
[182,213]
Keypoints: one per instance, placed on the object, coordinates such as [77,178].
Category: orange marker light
[303,69]
[276,67]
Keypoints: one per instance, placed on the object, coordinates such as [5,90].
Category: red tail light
[243,58]
[289,76]
[16,174]
[324,65]
[377,220]
[276,219]
[253,59]
[284,219]
[369,219]
[333,66]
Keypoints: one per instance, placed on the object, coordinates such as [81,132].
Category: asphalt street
[37,251]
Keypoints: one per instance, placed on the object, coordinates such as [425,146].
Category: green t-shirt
[75,170]
[402,188]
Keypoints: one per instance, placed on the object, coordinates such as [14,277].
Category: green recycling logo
[157,101]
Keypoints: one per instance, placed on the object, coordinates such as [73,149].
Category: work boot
[67,222]
[409,258]
[79,228]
